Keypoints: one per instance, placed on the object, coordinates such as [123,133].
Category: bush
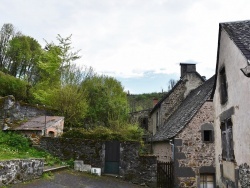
[14,140]
[12,86]
[124,133]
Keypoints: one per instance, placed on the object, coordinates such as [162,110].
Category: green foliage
[48,175]
[143,101]
[17,141]
[127,132]
[51,160]
[12,86]
[70,163]
[24,53]
[16,146]
[106,100]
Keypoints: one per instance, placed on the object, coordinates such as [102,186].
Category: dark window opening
[144,123]
[223,86]
[51,134]
[227,140]
[208,135]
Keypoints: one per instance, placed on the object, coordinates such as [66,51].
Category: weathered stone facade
[163,151]
[167,107]
[132,167]
[190,80]
[194,156]
[140,117]
[16,171]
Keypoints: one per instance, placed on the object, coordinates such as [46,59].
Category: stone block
[86,168]
[78,165]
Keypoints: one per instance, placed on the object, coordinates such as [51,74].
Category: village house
[189,80]
[37,127]
[187,138]
[231,102]
[33,121]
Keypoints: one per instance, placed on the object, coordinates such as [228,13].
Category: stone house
[187,138]
[189,80]
[37,127]
[29,119]
[231,102]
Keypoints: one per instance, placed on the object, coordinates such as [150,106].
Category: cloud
[129,38]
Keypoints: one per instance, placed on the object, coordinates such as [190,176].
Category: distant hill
[143,101]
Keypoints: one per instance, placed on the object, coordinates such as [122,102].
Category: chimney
[155,101]
[187,68]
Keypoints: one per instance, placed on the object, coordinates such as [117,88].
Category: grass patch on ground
[16,146]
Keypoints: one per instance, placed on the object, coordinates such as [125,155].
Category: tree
[106,99]
[24,53]
[6,34]
[171,84]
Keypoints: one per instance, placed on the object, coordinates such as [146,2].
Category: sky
[139,42]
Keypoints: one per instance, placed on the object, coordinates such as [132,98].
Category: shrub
[13,86]
[124,133]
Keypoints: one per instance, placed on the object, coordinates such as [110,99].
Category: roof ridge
[186,111]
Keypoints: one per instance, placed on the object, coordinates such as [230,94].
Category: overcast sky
[139,42]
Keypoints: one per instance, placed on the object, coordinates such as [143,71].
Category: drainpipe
[172,145]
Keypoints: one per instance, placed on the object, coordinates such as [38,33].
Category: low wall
[133,167]
[16,171]
[90,151]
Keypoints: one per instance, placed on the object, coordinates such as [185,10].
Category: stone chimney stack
[155,101]
[187,68]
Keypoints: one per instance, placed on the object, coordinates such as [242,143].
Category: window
[223,86]
[157,121]
[207,135]
[144,122]
[207,181]
[207,132]
[227,140]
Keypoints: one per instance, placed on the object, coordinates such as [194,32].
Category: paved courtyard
[73,179]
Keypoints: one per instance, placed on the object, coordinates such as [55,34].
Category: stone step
[54,168]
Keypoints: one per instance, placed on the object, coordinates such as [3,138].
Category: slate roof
[185,112]
[239,32]
[38,123]
[172,90]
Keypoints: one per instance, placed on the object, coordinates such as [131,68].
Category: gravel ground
[74,179]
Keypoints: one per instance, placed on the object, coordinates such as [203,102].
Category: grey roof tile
[185,112]
[239,32]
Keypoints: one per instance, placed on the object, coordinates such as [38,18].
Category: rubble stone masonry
[192,154]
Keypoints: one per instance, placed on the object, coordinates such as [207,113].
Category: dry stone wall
[16,171]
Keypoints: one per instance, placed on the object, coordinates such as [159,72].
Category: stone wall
[162,150]
[192,155]
[135,168]
[16,171]
[13,112]
[132,167]
[90,151]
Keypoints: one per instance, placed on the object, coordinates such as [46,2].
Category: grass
[16,146]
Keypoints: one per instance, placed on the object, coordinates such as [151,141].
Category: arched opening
[51,134]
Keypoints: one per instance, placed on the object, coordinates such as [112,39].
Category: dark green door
[112,157]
